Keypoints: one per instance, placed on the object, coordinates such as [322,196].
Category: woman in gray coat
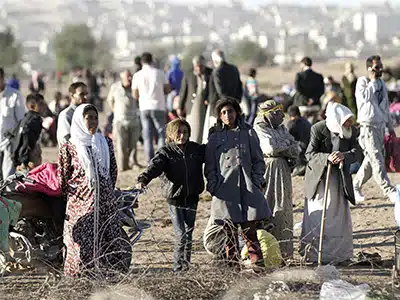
[235,176]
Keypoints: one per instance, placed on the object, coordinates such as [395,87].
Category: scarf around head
[88,145]
[336,115]
[265,110]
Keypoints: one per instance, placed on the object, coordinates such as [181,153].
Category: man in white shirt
[12,110]
[126,125]
[78,94]
[150,86]
[373,117]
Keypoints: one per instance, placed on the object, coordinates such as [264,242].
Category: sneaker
[359,197]
[393,197]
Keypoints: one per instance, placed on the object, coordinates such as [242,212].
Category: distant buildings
[288,31]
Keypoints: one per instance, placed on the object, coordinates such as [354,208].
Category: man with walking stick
[329,189]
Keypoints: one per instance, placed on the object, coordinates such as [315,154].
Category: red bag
[46,181]
[392,149]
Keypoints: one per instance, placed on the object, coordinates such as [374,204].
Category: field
[151,276]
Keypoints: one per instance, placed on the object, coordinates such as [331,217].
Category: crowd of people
[197,120]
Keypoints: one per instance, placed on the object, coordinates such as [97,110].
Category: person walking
[373,117]
[149,86]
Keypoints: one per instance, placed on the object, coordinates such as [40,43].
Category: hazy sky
[255,3]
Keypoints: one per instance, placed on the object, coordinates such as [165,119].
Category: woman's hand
[336,157]
[140,186]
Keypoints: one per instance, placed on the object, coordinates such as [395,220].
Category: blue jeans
[152,120]
[183,219]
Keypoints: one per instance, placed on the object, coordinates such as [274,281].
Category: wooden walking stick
[321,234]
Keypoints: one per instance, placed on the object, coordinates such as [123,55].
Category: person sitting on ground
[24,138]
[179,159]
[300,129]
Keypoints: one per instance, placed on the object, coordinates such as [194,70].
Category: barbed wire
[151,273]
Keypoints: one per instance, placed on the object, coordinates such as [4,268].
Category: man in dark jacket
[309,88]
[300,129]
[225,80]
[193,97]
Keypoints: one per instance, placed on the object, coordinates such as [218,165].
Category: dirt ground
[152,278]
[373,226]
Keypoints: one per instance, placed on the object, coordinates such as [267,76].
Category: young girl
[181,163]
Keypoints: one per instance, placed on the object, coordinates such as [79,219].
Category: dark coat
[225,81]
[24,137]
[182,172]
[317,155]
[309,85]
[235,171]
[189,87]
[300,130]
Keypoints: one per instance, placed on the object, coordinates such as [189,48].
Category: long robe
[99,245]
[278,145]
[338,235]
[338,238]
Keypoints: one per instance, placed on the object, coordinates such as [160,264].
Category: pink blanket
[46,181]
[394,107]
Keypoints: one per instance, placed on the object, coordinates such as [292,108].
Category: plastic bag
[339,289]
[269,248]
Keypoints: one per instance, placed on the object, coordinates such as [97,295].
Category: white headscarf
[336,115]
[82,139]
[217,57]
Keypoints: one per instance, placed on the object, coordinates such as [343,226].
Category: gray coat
[317,155]
[234,170]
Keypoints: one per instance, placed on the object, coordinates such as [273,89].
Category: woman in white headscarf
[87,173]
[332,141]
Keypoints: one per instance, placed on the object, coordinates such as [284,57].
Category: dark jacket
[24,137]
[317,155]
[182,172]
[300,130]
[235,171]
[189,87]
[309,85]
[225,81]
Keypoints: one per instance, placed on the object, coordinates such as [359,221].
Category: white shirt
[150,83]
[12,110]
[370,111]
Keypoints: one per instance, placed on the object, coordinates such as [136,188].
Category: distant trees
[10,50]
[191,51]
[248,52]
[75,46]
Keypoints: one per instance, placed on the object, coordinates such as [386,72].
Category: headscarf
[265,113]
[217,57]
[175,74]
[336,115]
[82,139]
